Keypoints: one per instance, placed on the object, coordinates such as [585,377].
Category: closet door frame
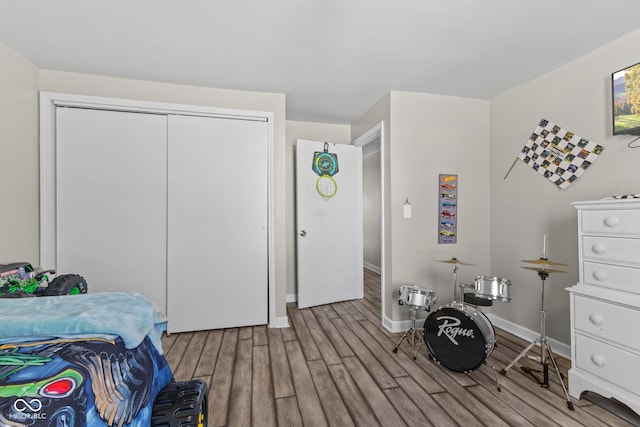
[50,101]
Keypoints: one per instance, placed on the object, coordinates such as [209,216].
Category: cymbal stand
[545,353]
[455,286]
[412,335]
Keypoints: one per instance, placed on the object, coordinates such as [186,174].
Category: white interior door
[329,225]
[111,200]
[217,223]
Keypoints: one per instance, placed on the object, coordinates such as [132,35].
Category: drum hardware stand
[495,374]
[545,349]
[455,285]
[477,302]
[413,332]
[495,344]
[455,262]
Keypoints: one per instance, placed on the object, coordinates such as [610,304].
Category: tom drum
[493,288]
[416,297]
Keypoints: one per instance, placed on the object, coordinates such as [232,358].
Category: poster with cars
[447,208]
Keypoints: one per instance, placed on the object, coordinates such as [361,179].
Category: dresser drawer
[609,321]
[611,249]
[611,276]
[611,221]
[609,363]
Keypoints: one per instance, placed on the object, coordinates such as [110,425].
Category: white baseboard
[292,298]
[400,325]
[557,347]
[372,267]
[388,324]
[279,322]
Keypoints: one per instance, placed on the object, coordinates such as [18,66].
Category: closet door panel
[111,200]
[217,223]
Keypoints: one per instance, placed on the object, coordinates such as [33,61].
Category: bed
[80,360]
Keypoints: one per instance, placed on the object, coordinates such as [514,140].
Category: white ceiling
[332,58]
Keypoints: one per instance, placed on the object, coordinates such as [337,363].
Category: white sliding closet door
[217,223]
[111,178]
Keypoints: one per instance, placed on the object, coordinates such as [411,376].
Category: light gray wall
[425,135]
[339,134]
[526,206]
[19,185]
[372,208]
[433,134]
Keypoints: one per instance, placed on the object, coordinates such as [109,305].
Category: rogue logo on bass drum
[450,328]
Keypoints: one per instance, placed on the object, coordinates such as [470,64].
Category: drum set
[458,335]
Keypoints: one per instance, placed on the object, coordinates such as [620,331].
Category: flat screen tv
[625,90]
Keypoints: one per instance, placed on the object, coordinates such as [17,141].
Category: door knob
[303,233]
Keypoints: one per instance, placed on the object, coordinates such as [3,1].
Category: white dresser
[605,303]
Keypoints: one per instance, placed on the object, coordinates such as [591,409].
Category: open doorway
[373,202]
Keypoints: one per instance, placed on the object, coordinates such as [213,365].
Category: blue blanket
[127,315]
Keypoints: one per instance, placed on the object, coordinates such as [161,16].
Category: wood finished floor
[334,366]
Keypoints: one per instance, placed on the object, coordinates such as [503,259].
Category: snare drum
[493,288]
[459,339]
[416,297]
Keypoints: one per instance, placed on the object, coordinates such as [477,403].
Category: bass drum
[459,339]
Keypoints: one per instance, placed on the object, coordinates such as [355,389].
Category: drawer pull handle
[596,319]
[599,248]
[600,275]
[611,222]
[598,360]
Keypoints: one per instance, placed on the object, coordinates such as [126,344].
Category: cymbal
[544,270]
[454,261]
[542,261]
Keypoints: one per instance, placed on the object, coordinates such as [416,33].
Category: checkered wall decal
[557,154]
